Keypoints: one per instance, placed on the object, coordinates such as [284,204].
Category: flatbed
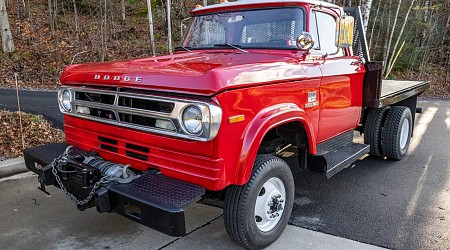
[393,91]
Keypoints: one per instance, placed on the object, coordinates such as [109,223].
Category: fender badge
[312,100]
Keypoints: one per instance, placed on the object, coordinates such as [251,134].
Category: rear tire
[372,130]
[256,213]
[396,133]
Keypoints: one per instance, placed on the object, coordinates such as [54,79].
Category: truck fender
[263,122]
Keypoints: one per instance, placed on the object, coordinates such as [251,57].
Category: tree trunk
[374,25]
[366,15]
[425,18]
[392,33]
[388,27]
[124,13]
[400,35]
[447,26]
[169,26]
[150,23]
[7,38]
[20,8]
[51,19]
[77,23]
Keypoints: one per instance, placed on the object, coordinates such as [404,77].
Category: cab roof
[248,3]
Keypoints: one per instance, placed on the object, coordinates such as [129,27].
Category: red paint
[203,72]
[268,87]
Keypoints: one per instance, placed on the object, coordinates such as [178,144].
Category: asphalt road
[33,102]
[393,204]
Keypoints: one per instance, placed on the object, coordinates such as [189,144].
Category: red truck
[252,80]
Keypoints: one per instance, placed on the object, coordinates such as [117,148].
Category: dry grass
[36,131]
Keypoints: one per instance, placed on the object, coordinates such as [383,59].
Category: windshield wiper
[232,46]
[182,47]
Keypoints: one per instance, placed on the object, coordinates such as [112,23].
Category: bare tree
[123,10]
[399,36]
[366,15]
[388,27]
[51,16]
[150,23]
[77,22]
[20,8]
[447,26]
[169,25]
[373,25]
[392,33]
[7,38]
[425,18]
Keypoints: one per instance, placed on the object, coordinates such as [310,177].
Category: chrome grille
[122,108]
[145,104]
[141,112]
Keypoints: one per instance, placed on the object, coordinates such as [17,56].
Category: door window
[322,28]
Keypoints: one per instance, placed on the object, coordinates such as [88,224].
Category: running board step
[334,161]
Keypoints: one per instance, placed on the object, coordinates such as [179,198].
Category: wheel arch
[265,121]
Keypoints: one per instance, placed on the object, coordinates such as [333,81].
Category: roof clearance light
[198,6]
[224,1]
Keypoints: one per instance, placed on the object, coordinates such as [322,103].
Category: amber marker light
[198,6]
[236,119]
[224,1]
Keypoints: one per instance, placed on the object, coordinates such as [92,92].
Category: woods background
[51,34]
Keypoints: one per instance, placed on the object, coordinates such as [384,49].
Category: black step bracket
[42,155]
[334,161]
[156,201]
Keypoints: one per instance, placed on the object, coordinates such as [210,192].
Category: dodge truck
[251,80]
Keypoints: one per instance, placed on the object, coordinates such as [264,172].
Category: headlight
[192,120]
[66,100]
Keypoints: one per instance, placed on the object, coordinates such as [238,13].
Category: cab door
[340,98]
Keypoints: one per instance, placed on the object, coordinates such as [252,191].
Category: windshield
[268,28]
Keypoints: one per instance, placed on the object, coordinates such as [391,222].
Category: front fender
[264,121]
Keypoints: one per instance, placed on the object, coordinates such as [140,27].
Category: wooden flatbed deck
[393,91]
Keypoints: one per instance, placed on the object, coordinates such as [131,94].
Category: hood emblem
[136,79]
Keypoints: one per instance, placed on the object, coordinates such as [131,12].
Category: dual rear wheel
[388,131]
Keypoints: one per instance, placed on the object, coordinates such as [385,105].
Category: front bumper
[152,199]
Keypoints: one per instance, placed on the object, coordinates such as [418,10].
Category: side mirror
[305,41]
[344,31]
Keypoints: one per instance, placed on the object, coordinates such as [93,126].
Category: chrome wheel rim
[270,204]
[404,133]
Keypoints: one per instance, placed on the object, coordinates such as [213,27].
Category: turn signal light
[236,119]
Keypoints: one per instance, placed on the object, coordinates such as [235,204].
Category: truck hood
[200,73]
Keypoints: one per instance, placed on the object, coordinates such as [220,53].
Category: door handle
[356,63]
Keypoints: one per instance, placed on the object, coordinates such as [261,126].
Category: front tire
[256,213]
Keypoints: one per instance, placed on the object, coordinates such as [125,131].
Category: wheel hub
[275,206]
[270,204]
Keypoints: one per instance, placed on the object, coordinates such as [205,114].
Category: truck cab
[251,83]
